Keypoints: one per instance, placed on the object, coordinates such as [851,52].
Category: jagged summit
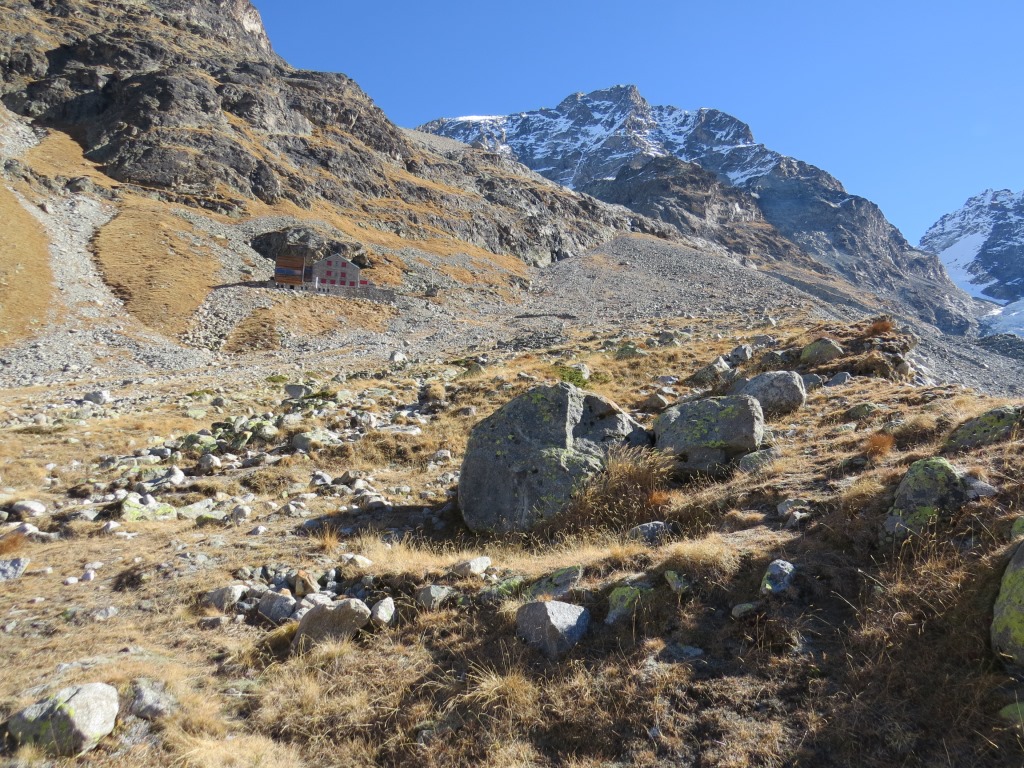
[589,137]
[982,247]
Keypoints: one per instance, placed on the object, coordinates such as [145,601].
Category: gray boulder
[932,489]
[315,440]
[705,435]
[778,392]
[1007,630]
[552,627]
[994,426]
[653,533]
[13,569]
[557,584]
[276,607]
[433,596]
[225,598]
[523,462]
[383,612]
[70,722]
[330,622]
[711,374]
[778,579]
[151,700]
[820,352]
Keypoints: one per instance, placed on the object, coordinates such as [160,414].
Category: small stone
[558,584]
[109,527]
[839,379]
[259,530]
[653,533]
[432,597]
[89,575]
[208,463]
[99,397]
[820,352]
[552,627]
[151,700]
[383,612]
[622,602]
[474,567]
[70,580]
[225,598]
[103,614]
[743,610]
[678,583]
[29,508]
[13,569]
[778,579]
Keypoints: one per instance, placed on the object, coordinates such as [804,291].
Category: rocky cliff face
[981,246]
[185,99]
[588,138]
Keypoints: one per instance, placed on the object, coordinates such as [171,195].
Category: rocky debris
[135,507]
[706,435]
[861,411]
[994,426]
[1007,630]
[70,722]
[932,489]
[653,533]
[552,627]
[741,354]
[523,462]
[820,352]
[778,392]
[13,569]
[337,621]
[150,700]
[778,579]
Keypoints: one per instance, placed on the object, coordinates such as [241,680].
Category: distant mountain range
[599,142]
[982,247]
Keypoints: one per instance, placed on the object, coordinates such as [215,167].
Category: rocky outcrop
[523,462]
[994,426]
[187,101]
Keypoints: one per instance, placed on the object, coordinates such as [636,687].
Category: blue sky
[915,105]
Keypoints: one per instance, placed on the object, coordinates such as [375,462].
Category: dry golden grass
[12,543]
[879,445]
[714,557]
[879,327]
[26,281]
[630,490]
[150,260]
[60,155]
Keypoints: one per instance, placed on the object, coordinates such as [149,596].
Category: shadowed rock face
[186,99]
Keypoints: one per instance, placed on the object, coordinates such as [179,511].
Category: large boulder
[820,352]
[337,621]
[1008,614]
[70,722]
[523,462]
[705,435]
[310,244]
[995,426]
[778,392]
[552,627]
[932,489]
